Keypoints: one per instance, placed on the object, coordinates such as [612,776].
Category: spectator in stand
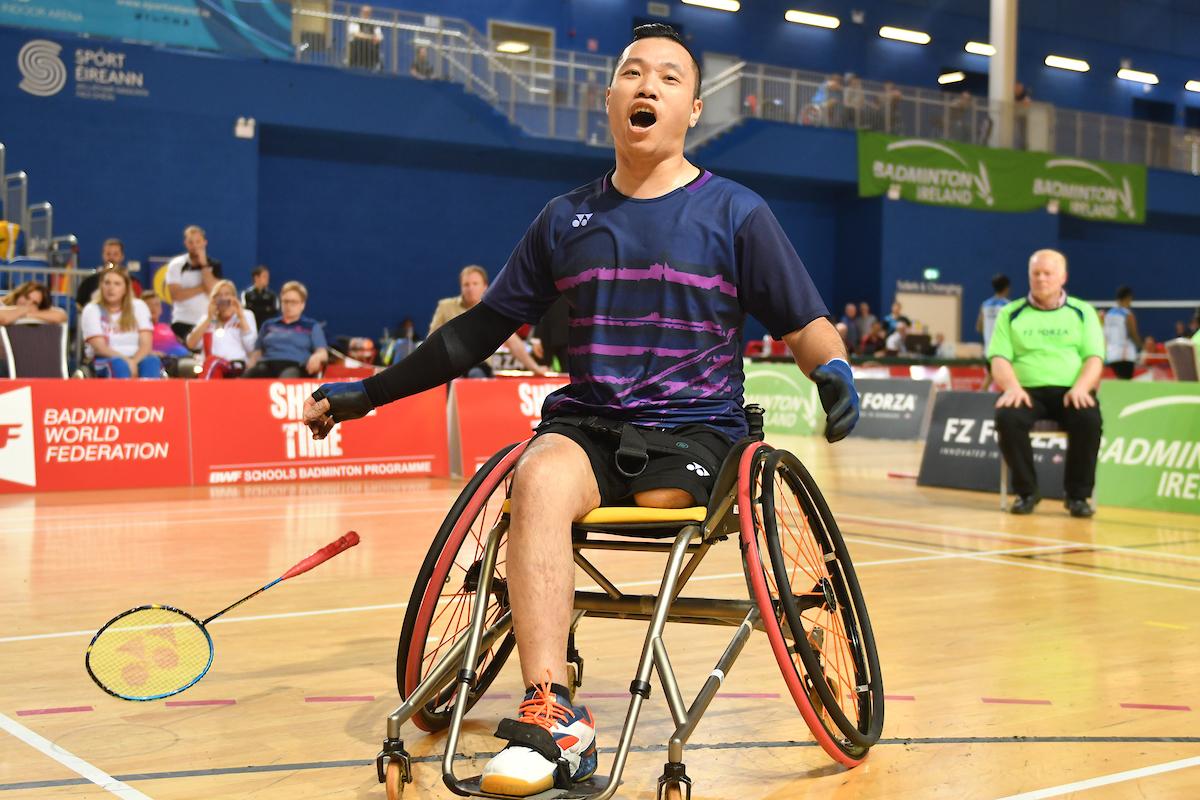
[117,330]
[162,340]
[828,98]
[844,331]
[259,299]
[1121,337]
[1194,325]
[473,282]
[892,320]
[228,334]
[850,320]
[1046,355]
[865,320]
[190,278]
[365,38]
[875,342]
[112,252]
[989,310]
[1152,351]
[290,345]
[854,101]
[896,345]
[30,302]
[960,117]
[889,104]
[421,66]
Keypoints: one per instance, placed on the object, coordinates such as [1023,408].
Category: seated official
[228,333]
[472,283]
[290,345]
[1046,355]
[117,330]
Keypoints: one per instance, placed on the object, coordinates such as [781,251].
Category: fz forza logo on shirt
[580,221]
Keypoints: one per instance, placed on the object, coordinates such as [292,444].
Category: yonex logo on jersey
[580,221]
[699,470]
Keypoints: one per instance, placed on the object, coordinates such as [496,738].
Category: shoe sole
[514,787]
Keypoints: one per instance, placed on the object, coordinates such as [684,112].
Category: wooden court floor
[1029,657]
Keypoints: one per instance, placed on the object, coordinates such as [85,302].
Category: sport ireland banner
[960,175]
[1150,455]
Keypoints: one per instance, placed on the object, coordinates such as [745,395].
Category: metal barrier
[16,192]
[39,230]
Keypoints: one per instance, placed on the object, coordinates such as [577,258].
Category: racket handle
[324,554]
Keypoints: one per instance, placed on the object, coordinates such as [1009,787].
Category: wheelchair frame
[732,494]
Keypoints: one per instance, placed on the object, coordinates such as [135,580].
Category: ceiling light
[1137,76]
[951,77]
[1192,86]
[1073,64]
[980,48]
[808,18]
[719,5]
[512,47]
[903,35]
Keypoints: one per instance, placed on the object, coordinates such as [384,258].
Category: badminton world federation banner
[257,28]
[958,175]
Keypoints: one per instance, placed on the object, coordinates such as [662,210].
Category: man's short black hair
[659,30]
[1000,282]
[259,270]
[1124,293]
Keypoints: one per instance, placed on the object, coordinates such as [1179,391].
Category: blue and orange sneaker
[551,745]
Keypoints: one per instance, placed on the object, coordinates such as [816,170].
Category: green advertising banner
[790,399]
[960,175]
[1150,456]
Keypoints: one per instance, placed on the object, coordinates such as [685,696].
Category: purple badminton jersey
[658,293]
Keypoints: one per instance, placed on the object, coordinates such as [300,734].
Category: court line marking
[1168,625]
[1106,780]
[764,745]
[74,763]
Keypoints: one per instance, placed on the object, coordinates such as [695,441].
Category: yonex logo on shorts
[699,470]
[580,221]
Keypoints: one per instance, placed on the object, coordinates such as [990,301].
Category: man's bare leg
[553,486]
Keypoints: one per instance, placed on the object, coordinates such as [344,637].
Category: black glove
[346,400]
[839,398]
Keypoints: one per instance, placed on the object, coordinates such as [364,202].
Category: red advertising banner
[59,435]
[250,431]
[488,413]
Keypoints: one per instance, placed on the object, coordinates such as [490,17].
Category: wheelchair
[803,594]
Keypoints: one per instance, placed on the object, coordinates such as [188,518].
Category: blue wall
[1100,31]
[376,190]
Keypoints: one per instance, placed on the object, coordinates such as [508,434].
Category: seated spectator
[117,330]
[30,302]
[844,331]
[113,252]
[290,345]
[163,340]
[228,333]
[895,345]
[473,282]
[855,101]
[421,66]
[893,319]
[829,99]
[259,298]
[875,341]
[865,320]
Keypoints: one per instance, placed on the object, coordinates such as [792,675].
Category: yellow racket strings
[149,653]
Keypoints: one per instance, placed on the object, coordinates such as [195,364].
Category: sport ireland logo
[43,73]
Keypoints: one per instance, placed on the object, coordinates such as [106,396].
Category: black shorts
[661,472]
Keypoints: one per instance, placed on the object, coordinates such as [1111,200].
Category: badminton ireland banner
[960,175]
[1150,456]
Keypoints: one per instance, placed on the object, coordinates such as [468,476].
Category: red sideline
[29,712]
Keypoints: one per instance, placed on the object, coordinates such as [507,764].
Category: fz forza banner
[1150,455]
[892,409]
[252,431]
[489,413]
[57,435]
[961,450]
[945,173]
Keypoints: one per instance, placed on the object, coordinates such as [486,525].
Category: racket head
[149,652]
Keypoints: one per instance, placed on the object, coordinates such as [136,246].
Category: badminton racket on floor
[154,651]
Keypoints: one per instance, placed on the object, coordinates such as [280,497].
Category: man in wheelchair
[660,261]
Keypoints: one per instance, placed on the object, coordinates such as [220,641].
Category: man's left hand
[839,398]
[1078,398]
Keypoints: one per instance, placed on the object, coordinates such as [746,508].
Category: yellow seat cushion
[638,515]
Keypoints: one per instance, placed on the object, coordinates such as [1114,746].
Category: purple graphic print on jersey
[658,291]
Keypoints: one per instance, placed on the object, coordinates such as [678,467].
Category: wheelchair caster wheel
[394,779]
[394,768]
[674,783]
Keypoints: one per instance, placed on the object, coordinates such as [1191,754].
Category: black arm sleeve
[449,351]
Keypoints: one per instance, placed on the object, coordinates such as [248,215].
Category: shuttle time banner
[944,173]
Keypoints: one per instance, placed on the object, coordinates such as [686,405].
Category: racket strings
[149,653]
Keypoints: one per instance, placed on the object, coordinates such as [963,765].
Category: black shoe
[1080,508]
[1024,504]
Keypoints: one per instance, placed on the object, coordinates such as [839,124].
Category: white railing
[559,94]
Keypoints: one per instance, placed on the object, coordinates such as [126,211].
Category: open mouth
[642,118]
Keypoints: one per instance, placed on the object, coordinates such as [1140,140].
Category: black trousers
[1083,441]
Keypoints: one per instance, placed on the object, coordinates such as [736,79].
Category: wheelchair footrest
[593,785]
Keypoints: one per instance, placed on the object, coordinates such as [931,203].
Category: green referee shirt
[1047,348]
